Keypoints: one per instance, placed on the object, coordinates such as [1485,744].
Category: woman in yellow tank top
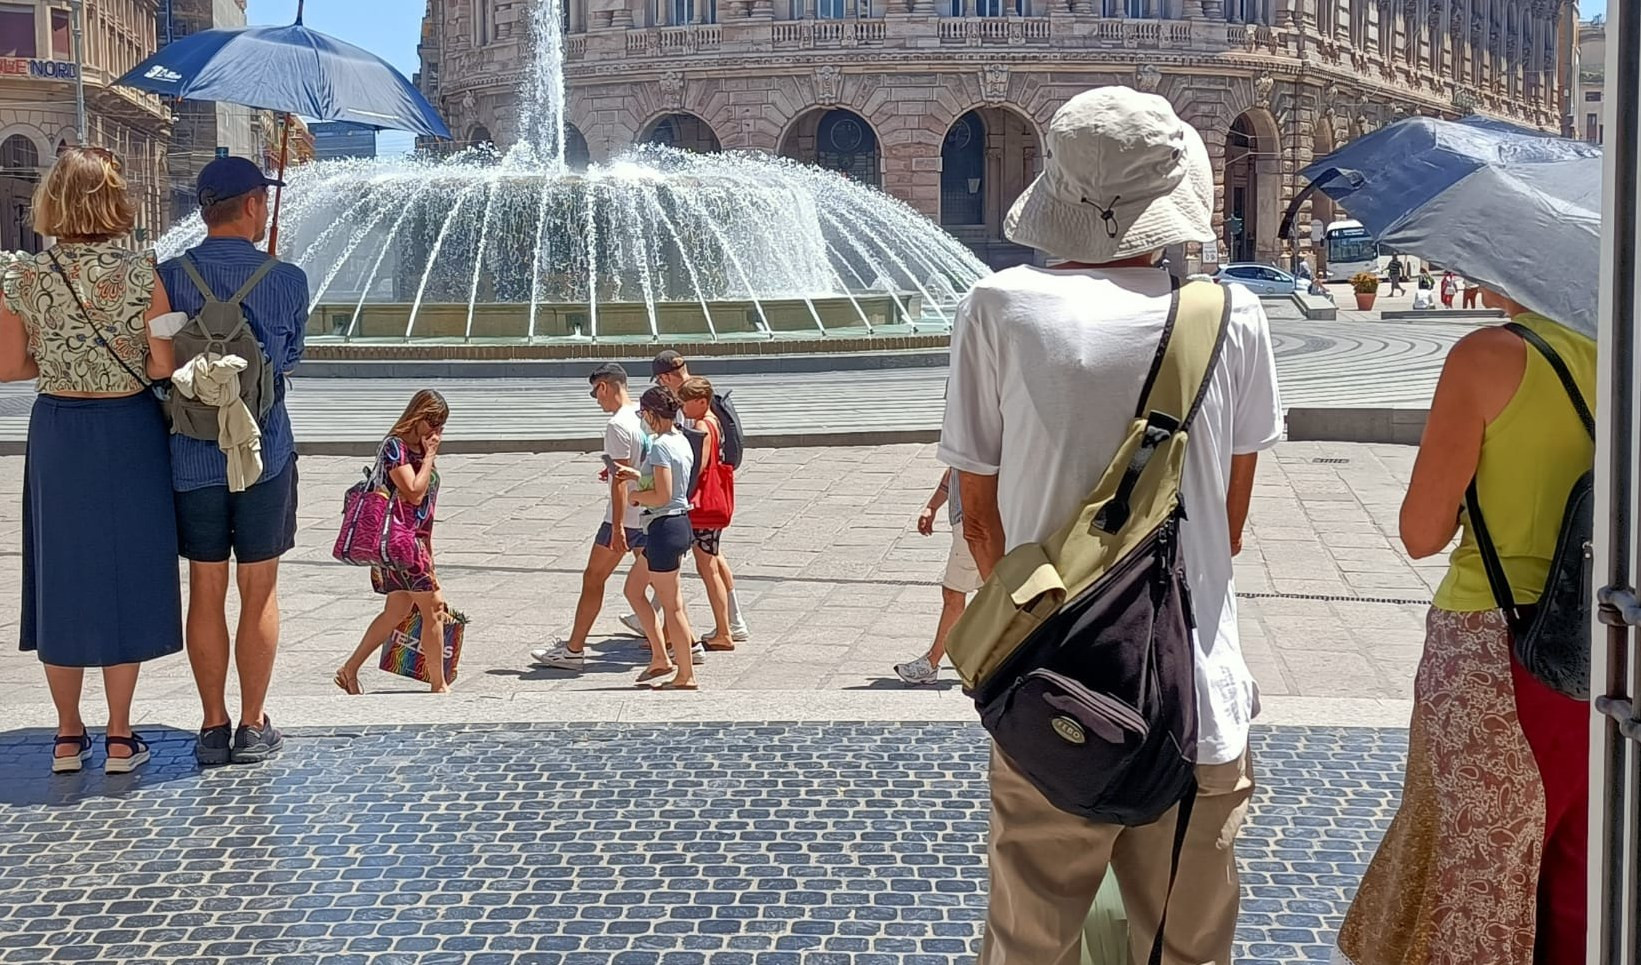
[1484,863]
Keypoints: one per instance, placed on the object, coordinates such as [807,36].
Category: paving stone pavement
[831,844]
[837,583]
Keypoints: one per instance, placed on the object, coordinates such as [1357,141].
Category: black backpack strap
[1182,824]
[1563,373]
[192,271]
[255,279]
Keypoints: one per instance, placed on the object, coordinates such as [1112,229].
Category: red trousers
[1558,729]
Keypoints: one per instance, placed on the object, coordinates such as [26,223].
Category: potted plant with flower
[1366,286]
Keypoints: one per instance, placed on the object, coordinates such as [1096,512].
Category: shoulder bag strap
[1491,562]
[1182,822]
[1497,579]
[192,271]
[91,323]
[1563,373]
[255,279]
[1192,339]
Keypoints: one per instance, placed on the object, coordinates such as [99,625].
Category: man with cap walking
[257,526]
[1047,365]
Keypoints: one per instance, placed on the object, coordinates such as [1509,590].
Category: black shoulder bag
[1552,637]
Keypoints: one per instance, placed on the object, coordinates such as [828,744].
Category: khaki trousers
[1047,866]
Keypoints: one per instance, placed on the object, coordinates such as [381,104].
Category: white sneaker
[738,632]
[697,653]
[919,672]
[630,621]
[559,656]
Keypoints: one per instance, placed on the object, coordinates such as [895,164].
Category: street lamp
[79,71]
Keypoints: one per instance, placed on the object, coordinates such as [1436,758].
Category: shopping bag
[402,653]
[1105,931]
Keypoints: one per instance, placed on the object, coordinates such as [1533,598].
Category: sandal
[125,765]
[72,763]
[650,673]
[675,685]
[718,644]
[348,682]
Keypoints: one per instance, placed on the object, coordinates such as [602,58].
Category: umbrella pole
[279,192]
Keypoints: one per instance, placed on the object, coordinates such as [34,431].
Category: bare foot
[348,680]
[440,690]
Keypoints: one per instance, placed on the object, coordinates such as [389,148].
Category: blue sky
[388,28]
[1590,8]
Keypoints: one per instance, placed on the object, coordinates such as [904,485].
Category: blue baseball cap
[227,178]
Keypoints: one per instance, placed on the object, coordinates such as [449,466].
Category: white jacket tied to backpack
[214,380]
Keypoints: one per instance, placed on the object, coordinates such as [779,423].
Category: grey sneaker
[919,672]
[697,653]
[215,746]
[738,631]
[253,745]
[559,656]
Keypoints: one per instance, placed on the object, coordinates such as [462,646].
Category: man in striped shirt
[255,527]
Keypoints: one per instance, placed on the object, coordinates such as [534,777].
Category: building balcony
[916,32]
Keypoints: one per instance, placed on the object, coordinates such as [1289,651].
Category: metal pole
[79,72]
[1615,795]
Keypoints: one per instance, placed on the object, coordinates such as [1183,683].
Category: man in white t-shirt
[1047,367]
[624,440]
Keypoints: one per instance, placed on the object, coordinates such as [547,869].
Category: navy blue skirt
[100,577]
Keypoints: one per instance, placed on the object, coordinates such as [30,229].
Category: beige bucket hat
[1123,176]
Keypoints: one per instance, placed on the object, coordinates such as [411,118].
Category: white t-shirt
[624,442]
[1046,373]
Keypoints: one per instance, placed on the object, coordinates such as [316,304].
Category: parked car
[1261,279]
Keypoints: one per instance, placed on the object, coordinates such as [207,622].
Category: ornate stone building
[943,102]
[37,110]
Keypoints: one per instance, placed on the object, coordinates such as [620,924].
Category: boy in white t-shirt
[624,443]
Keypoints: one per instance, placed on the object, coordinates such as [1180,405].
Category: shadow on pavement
[25,762]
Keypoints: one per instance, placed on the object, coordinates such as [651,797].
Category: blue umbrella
[289,70]
[1515,210]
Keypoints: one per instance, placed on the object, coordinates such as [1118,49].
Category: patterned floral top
[115,283]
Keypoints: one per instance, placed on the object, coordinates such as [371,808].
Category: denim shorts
[667,539]
[635,537]
[254,526]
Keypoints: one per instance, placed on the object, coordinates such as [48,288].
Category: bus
[1351,251]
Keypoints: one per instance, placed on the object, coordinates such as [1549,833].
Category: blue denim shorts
[635,537]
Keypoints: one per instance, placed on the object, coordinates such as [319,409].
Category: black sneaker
[212,748]
[253,745]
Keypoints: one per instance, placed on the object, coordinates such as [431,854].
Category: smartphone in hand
[610,465]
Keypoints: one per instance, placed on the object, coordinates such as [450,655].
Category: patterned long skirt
[1455,880]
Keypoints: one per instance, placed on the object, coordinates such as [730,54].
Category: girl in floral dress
[408,458]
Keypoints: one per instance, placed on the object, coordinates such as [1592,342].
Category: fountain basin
[721,320]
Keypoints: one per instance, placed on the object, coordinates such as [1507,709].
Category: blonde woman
[100,584]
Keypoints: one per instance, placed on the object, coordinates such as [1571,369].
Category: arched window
[18,155]
[479,136]
[838,140]
[963,172]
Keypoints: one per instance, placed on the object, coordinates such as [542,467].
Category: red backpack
[713,502]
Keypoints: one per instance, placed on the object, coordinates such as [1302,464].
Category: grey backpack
[220,328]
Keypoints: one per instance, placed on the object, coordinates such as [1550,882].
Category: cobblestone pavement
[603,845]
[837,584]
[1321,364]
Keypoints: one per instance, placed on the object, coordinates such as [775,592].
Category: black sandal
[125,765]
[73,763]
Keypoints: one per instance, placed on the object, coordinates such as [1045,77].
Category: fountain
[658,244]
